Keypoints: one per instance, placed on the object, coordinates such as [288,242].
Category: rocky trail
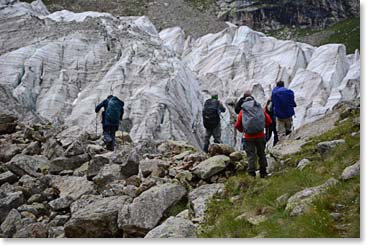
[55,187]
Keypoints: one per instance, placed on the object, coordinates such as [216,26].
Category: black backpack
[211,117]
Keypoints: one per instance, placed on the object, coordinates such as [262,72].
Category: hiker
[283,106]
[272,129]
[237,109]
[252,120]
[211,119]
[111,116]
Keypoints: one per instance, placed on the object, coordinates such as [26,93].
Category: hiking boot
[263,175]
[252,174]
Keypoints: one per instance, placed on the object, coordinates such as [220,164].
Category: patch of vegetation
[259,196]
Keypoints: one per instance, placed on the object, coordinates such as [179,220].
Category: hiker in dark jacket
[283,106]
[237,107]
[211,118]
[253,117]
[272,129]
[111,116]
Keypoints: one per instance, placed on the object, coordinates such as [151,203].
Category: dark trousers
[109,138]
[269,131]
[216,133]
[255,148]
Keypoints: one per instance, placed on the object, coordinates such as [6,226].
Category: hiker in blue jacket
[283,106]
[111,116]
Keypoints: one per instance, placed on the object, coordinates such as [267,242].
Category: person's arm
[268,120]
[100,105]
[238,124]
[122,110]
[237,107]
[221,107]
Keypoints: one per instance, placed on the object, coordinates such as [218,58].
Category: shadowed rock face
[58,66]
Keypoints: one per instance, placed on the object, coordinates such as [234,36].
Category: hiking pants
[269,132]
[284,127]
[256,148]
[216,133]
[109,138]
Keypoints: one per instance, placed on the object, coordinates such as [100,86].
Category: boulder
[298,204]
[63,163]
[8,123]
[303,163]
[174,227]
[95,165]
[95,149]
[8,177]
[131,166]
[147,166]
[34,148]
[37,209]
[199,197]
[236,156]
[59,220]
[72,186]
[32,230]
[8,202]
[76,148]
[351,171]
[11,223]
[24,164]
[147,209]
[108,174]
[52,149]
[220,149]
[8,151]
[61,203]
[95,217]
[326,146]
[211,166]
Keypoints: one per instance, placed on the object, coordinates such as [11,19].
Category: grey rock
[211,166]
[147,166]
[174,227]
[82,170]
[10,201]
[185,214]
[133,180]
[196,157]
[220,149]
[303,163]
[8,177]
[108,174]
[199,197]
[130,190]
[76,148]
[96,164]
[8,151]
[63,163]
[61,203]
[95,149]
[97,218]
[35,198]
[34,148]
[326,146]
[24,164]
[147,209]
[56,232]
[131,166]
[298,203]
[351,171]
[182,155]
[235,156]
[33,230]
[52,149]
[11,223]
[8,123]
[35,208]
[72,186]
[59,220]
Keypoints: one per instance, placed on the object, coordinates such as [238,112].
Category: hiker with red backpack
[283,107]
[111,116]
[252,120]
[211,119]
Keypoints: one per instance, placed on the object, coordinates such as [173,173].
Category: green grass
[259,196]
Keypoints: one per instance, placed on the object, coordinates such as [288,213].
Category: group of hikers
[275,118]
[252,119]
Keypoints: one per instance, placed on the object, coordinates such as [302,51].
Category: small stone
[235,156]
[8,177]
[303,163]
